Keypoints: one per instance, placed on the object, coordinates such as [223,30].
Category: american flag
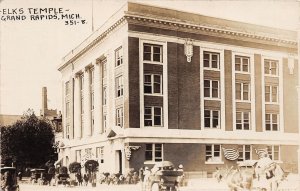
[231,154]
[261,152]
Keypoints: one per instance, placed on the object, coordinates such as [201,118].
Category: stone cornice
[85,46]
[174,24]
[166,23]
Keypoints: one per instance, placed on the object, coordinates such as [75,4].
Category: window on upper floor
[242,91]
[104,95]
[153,116]
[104,121]
[67,88]
[68,131]
[243,120]
[272,122]
[211,89]
[153,84]
[213,153]
[119,56]
[119,116]
[212,119]
[211,60]
[154,152]
[244,152]
[119,86]
[103,70]
[153,53]
[242,64]
[271,93]
[274,152]
[271,67]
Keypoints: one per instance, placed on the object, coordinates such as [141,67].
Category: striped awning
[231,153]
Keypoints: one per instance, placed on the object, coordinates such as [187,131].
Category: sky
[31,50]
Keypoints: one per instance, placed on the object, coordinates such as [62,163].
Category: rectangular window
[211,88]
[154,152]
[271,93]
[244,152]
[100,154]
[67,88]
[104,95]
[119,56]
[153,53]
[242,91]
[213,153]
[212,119]
[104,122]
[274,152]
[153,116]
[271,67]
[78,156]
[152,84]
[119,117]
[119,86]
[272,122]
[104,71]
[211,60]
[243,120]
[242,64]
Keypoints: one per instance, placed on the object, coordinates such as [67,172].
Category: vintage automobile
[163,177]
[9,179]
[37,175]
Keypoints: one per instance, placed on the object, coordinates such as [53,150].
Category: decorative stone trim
[213,29]
[188,49]
[128,151]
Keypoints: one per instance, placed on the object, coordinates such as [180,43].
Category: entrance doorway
[118,161]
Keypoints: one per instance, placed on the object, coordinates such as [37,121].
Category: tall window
[82,102]
[242,64]
[274,152]
[153,53]
[213,153]
[153,84]
[119,86]
[271,67]
[119,117]
[104,71]
[211,60]
[92,73]
[119,56]
[154,152]
[100,154]
[104,95]
[211,88]
[211,118]
[68,108]
[243,120]
[242,91]
[271,93]
[153,116]
[272,122]
[244,152]
[104,117]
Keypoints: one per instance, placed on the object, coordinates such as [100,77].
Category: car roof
[7,168]
[163,164]
[37,169]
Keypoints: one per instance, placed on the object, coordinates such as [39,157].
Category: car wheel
[155,187]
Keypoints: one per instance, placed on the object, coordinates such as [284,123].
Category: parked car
[36,175]
[163,177]
[9,179]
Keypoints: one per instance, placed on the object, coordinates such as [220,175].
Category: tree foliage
[91,165]
[74,167]
[28,142]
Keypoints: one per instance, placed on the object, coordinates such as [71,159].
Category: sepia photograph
[150,95]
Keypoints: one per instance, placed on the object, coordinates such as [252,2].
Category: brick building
[157,84]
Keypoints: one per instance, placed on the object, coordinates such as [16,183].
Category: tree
[28,142]
[74,167]
[91,166]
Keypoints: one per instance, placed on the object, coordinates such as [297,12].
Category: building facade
[156,84]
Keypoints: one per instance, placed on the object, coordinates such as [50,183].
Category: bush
[63,170]
[91,165]
[74,167]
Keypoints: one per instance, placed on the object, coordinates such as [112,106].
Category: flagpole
[92,15]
